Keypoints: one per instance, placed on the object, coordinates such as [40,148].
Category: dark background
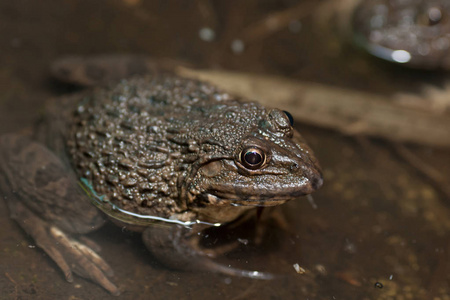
[378,219]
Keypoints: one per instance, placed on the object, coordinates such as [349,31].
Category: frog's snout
[316,181]
[313,176]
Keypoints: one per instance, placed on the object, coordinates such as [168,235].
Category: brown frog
[159,154]
[411,32]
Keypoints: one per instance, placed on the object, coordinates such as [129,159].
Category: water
[380,230]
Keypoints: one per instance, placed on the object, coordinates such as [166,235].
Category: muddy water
[376,230]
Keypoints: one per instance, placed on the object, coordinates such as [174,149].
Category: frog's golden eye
[252,158]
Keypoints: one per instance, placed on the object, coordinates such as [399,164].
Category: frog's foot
[44,198]
[177,247]
[86,262]
[211,253]
[69,254]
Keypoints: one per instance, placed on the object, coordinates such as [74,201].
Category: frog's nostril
[316,181]
[294,167]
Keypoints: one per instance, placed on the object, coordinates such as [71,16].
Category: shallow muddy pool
[377,229]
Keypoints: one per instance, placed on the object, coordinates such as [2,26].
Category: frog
[165,156]
[414,33]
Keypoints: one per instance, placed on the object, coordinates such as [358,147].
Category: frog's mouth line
[240,195]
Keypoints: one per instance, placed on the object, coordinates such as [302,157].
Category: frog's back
[135,140]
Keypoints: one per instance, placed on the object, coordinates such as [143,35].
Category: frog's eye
[252,158]
[291,119]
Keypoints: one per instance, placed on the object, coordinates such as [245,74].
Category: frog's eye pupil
[252,158]
[291,119]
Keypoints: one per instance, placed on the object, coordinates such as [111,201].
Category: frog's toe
[45,243]
[69,254]
[90,243]
[84,261]
[228,270]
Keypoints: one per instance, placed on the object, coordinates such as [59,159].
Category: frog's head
[268,165]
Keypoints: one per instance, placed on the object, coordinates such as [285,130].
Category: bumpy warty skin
[163,145]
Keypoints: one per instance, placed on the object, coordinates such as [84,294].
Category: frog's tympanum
[413,32]
[160,154]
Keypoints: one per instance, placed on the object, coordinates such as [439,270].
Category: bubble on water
[237,46]
[207,34]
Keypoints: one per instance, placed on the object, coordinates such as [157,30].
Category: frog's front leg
[44,198]
[178,247]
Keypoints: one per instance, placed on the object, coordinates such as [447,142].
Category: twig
[16,285]
[348,111]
